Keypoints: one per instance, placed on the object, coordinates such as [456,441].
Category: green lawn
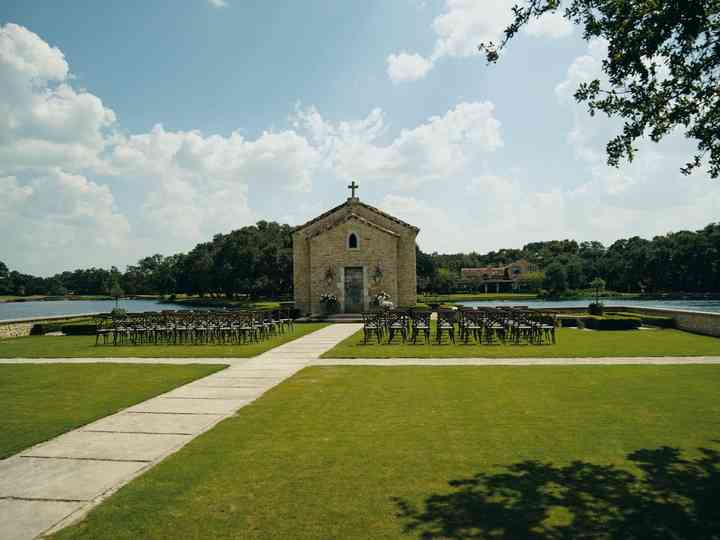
[12,298]
[467,297]
[444,452]
[207,302]
[84,347]
[39,402]
[571,342]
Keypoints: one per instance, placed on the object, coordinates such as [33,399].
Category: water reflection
[710,306]
[22,310]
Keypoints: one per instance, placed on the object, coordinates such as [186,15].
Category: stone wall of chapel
[307,279]
[301,272]
[406,270]
[329,251]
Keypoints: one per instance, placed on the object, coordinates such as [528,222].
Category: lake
[25,310]
[708,306]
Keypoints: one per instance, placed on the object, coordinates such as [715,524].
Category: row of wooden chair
[506,325]
[482,325]
[193,327]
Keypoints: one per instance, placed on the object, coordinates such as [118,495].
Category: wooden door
[354,289]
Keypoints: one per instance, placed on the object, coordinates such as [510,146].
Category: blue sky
[129,128]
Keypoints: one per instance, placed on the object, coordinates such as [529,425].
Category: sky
[140,127]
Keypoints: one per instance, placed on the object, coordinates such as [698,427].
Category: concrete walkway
[53,484]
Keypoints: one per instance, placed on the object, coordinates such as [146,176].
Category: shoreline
[79,298]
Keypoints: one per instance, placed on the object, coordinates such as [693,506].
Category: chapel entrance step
[335,318]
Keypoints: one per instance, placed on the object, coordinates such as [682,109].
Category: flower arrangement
[329,302]
[381,299]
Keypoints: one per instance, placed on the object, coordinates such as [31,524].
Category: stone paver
[52,484]
[189,406]
[202,392]
[173,424]
[235,382]
[79,444]
[21,519]
[65,479]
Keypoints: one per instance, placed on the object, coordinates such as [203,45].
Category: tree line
[684,261]
[256,261]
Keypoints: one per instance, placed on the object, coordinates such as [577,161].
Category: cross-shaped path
[53,484]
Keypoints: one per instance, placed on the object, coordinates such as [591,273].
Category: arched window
[352,242]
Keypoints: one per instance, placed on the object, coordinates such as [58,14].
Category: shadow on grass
[669,498]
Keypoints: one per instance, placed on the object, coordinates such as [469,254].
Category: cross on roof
[353,186]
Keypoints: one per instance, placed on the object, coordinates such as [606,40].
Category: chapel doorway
[353,289]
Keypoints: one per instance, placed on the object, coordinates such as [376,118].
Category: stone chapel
[354,251]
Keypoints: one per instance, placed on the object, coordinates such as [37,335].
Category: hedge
[611,322]
[569,321]
[41,328]
[651,320]
[79,329]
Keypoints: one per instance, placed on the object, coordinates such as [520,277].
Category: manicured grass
[84,347]
[12,298]
[196,301]
[39,402]
[352,452]
[571,342]
[467,297]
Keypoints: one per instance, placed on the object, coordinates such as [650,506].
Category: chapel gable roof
[356,217]
[350,202]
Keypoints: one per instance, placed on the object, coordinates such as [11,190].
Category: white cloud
[64,172]
[49,134]
[467,23]
[463,26]
[407,67]
[218,3]
[551,25]
[28,57]
[60,221]
[436,149]
[44,122]
[53,136]
[187,177]
[646,197]
[437,228]
[13,195]
[60,153]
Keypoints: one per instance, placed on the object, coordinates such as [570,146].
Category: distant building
[496,278]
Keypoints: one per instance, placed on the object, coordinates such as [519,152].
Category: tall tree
[4,274]
[662,68]
[555,278]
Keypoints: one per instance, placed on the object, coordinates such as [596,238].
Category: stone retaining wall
[21,327]
[697,322]
[13,329]
[691,321]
